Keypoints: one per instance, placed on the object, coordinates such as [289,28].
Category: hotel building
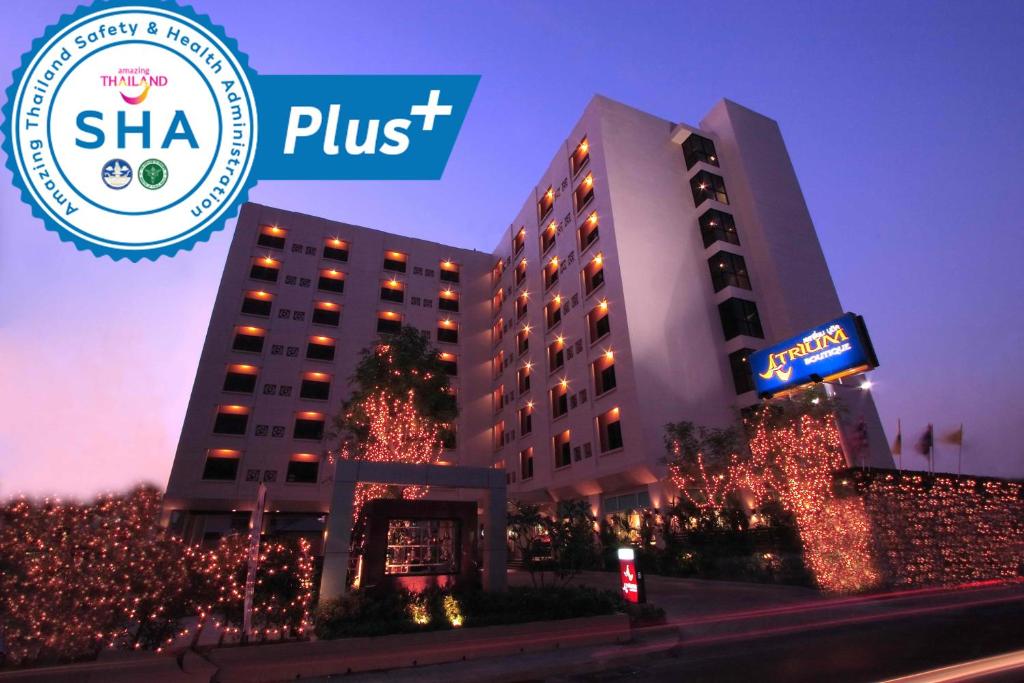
[647,263]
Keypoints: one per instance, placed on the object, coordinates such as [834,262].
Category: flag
[897,445]
[955,437]
[927,440]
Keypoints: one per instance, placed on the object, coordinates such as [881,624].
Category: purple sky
[905,122]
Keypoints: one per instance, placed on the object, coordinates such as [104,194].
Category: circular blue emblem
[112,86]
[117,174]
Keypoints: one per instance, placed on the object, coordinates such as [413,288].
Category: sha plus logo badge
[112,97]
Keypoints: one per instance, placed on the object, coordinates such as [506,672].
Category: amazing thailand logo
[813,348]
[131,128]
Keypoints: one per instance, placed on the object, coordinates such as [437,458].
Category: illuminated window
[610,430]
[498,435]
[396,261]
[392,290]
[315,385]
[231,420]
[303,468]
[598,322]
[241,378]
[547,237]
[309,425]
[559,395]
[728,270]
[593,274]
[389,322]
[523,341]
[519,241]
[265,268]
[521,272]
[335,249]
[449,272]
[718,226]
[742,377]
[522,304]
[556,355]
[272,236]
[604,373]
[526,463]
[448,300]
[331,280]
[447,331]
[698,148]
[497,271]
[498,363]
[257,303]
[739,316]
[545,203]
[583,193]
[551,273]
[326,313]
[588,231]
[320,348]
[498,398]
[562,449]
[249,339]
[221,464]
[523,378]
[450,363]
[497,330]
[580,156]
[526,419]
[706,185]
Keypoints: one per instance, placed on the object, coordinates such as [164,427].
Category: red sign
[629,579]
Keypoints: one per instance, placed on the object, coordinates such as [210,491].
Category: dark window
[449,304]
[271,237]
[563,451]
[320,351]
[600,325]
[594,277]
[522,305]
[449,275]
[520,273]
[613,436]
[523,339]
[331,284]
[302,471]
[220,468]
[526,463]
[325,316]
[547,237]
[739,316]
[388,294]
[395,264]
[580,156]
[389,325]
[316,389]
[448,439]
[706,185]
[728,270]
[718,226]
[519,241]
[451,366]
[550,274]
[257,305]
[524,380]
[241,382]
[309,428]
[584,193]
[605,378]
[556,357]
[261,270]
[588,232]
[230,423]
[742,377]
[559,401]
[698,148]
[554,313]
[547,201]
[525,421]
[244,341]
[449,335]
[336,250]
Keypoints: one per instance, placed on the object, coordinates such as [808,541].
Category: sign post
[630,578]
[255,528]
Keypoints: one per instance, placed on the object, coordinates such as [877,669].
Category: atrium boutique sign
[136,128]
[839,348]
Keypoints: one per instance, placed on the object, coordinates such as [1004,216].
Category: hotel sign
[839,348]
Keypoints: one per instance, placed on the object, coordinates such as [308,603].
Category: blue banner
[839,348]
[358,127]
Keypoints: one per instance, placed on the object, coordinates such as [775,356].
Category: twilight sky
[905,122]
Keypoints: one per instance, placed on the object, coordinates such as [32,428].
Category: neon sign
[839,348]
[630,579]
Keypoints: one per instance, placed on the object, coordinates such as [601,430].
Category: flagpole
[960,454]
